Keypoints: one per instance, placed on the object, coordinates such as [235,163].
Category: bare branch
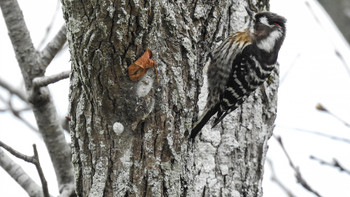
[53,47]
[13,90]
[275,179]
[19,175]
[27,123]
[44,110]
[40,172]
[298,175]
[49,27]
[16,153]
[335,164]
[34,160]
[341,57]
[283,78]
[319,134]
[17,114]
[336,50]
[20,38]
[46,80]
[320,107]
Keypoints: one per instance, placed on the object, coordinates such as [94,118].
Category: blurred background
[313,107]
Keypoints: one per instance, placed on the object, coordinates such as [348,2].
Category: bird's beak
[249,11]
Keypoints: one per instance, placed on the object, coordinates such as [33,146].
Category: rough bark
[130,139]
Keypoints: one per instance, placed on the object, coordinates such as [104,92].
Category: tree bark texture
[130,138]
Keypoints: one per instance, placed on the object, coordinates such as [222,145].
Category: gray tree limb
[53,47]
[13,90]
[31,159]
[46,80]
[19,175]
[40,98]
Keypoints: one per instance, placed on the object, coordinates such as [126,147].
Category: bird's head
[267,29]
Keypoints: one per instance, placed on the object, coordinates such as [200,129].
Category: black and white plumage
[240,64]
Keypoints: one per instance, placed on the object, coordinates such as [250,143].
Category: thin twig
[27,123]
[337,52]
[13,90]
[320,107]
[49,27]
[275,179]
[31,159]
[40,172]
[341,57]
[17,114]
[16,153]
[318,133]
[19,175]
[283,78]
[335,164]
[298,175]
[46,80]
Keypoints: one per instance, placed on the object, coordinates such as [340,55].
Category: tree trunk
[131,138]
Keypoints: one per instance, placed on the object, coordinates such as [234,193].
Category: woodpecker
[240,64]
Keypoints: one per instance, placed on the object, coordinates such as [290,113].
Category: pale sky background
[311,73]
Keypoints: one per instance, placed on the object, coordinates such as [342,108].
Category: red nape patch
[277,24]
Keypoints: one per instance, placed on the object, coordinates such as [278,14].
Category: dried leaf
[139,68]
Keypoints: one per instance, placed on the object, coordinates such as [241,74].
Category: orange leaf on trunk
[139,68]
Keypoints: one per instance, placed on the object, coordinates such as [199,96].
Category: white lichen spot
[224,169]
[235,193]
[125,159]
[102,144]
[110,10]
[75,25]
[118,128]
[145,84]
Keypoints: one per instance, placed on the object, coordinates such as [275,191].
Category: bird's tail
[203,120]
[221,115]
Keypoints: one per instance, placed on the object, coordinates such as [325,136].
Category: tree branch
[53,47]
[17,114]
[34,160]
[334,164]
[49,27]
[13,90]
[275,179]
[16,153]
[298,175]
[40,172]
[319,134]
[20,38]
[19,175]
[44,110]
[46,80]
[322,108]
